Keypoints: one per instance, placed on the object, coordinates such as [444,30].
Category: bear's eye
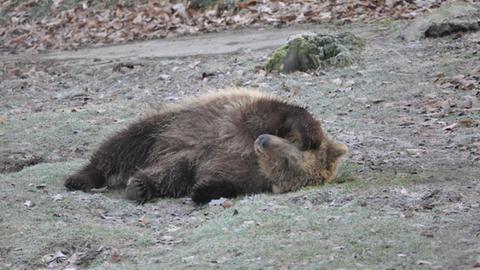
[309,145]
[283,132]
[292,138]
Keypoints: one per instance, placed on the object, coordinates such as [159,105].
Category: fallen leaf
[143,220]
[57,257]
[172,228]
[362,100]
[114,258]
[406,121]
[249,222]
[450,127]
[99,190]
[40,186]
[427,234]
[207,74]
[169,240]
[194,64]
[416,152]
[57,197]
[378,100]
[100,212]
[349,83]
[468,122]
[227,204]
[423,262]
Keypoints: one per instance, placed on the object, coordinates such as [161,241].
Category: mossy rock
[450,18]
[308,52]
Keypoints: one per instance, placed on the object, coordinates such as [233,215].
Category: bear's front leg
[139,189]
[277,189]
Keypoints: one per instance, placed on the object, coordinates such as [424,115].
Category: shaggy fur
[219,145]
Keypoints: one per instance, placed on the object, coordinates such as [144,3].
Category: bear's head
[290,165]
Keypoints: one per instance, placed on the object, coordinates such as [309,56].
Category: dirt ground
[407,195]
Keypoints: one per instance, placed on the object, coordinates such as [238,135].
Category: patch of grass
[61,131]
[3,18]
[259,232]
[35,231]
[383,179]
[127,3]
[205,4]
[41,9]
[346,172]
[385,21]
[208,3]
[291,236]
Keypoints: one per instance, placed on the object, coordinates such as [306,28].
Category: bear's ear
[336,150]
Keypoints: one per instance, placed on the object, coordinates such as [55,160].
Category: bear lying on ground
[219,145]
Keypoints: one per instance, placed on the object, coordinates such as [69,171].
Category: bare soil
[407,196]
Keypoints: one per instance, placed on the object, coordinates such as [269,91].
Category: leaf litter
[84,24]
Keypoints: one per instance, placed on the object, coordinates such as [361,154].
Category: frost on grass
[308,51]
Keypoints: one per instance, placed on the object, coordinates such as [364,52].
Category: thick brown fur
[220,145]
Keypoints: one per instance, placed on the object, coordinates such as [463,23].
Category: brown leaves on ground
[460,81]
[101,23]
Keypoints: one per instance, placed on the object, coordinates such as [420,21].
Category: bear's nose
[263,140]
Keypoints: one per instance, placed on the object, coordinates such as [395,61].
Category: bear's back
[213,121]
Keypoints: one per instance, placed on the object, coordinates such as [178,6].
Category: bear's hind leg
[87,178]
[160,180]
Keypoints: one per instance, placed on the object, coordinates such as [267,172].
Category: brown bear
[219,145]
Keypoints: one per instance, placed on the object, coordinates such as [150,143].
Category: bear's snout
[263,141]
[274,146]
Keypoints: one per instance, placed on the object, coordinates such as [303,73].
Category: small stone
[337,81]
[29,204]
[218,202]
[423,262]
[164,77]
[188,259]
[427,234]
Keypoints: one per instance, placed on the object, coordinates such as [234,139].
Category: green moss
[345,177]
[310,52]
[385,21]
[275,62]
